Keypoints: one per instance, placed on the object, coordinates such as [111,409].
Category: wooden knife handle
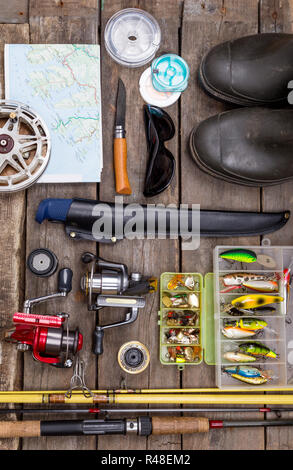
[179,425]
[120,166]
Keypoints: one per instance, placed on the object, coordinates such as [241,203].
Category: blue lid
[170,73]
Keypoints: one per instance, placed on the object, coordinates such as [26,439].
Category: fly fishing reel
[108,284]
[25,146]
[47,336]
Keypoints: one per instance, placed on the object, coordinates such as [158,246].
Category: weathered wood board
[277,17]
[14,11]
[189,28]
[12,242]
[205,24]
[146,256]
[48,27]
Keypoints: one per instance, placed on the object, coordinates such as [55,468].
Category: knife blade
[120,145]
[120,105]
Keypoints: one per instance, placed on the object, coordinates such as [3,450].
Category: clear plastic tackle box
[202,327]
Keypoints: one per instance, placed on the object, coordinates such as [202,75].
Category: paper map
[61,82]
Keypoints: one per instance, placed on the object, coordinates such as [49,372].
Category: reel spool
[133,357]
[47,338]
[25,146]
[42,262]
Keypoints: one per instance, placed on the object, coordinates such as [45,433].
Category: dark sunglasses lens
[161,174]
[162,122]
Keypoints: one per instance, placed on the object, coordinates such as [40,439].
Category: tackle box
[182,331]
[211,317]
[277,335]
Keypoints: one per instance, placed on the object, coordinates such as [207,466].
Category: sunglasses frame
[158,145]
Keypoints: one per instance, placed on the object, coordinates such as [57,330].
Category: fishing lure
[262,286]
[255,300]
[247,323]
[248,256]
[181,301]
[287,279]
[239,254]
[182,336]
[234,332]
[252,311]
[251,380]
[179,281]
[183,318]
[181,354]
[247,374]
[257,349]
[258,282]
[235,356]
[244,371]
[176,281]
[237,279]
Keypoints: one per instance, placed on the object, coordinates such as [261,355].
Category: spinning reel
[108,284]
[47,336]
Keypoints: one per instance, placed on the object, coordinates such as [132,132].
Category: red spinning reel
[46,335]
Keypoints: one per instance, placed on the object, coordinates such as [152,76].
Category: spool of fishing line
[133,357]
[132,37]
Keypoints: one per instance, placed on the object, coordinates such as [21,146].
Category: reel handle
[98,341]
[89,257]
[65,280]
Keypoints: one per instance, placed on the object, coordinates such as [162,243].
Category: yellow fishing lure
[255,300]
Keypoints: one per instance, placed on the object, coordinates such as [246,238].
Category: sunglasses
[159,128]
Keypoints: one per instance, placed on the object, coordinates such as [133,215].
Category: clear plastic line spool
[132,37]
[25,146]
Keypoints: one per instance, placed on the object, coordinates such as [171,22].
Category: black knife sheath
[109,222]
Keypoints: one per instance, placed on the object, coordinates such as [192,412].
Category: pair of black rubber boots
[252,145]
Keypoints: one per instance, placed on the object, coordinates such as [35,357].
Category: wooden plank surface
[276,16]
[14,11]
[71,8]
[79,30]
[189,31]
[12,237]
[205,24]
[146,256]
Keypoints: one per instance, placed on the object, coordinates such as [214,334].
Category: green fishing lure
[239,254]
[257,349]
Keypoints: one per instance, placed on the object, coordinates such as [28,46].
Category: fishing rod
[147,399]
[106,411]
[156,390]
[140,426]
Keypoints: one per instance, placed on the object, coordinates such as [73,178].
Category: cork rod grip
[179,425]
[120,166]
[20,429]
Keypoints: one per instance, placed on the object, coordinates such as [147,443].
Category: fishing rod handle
[179,425]
[20,429]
